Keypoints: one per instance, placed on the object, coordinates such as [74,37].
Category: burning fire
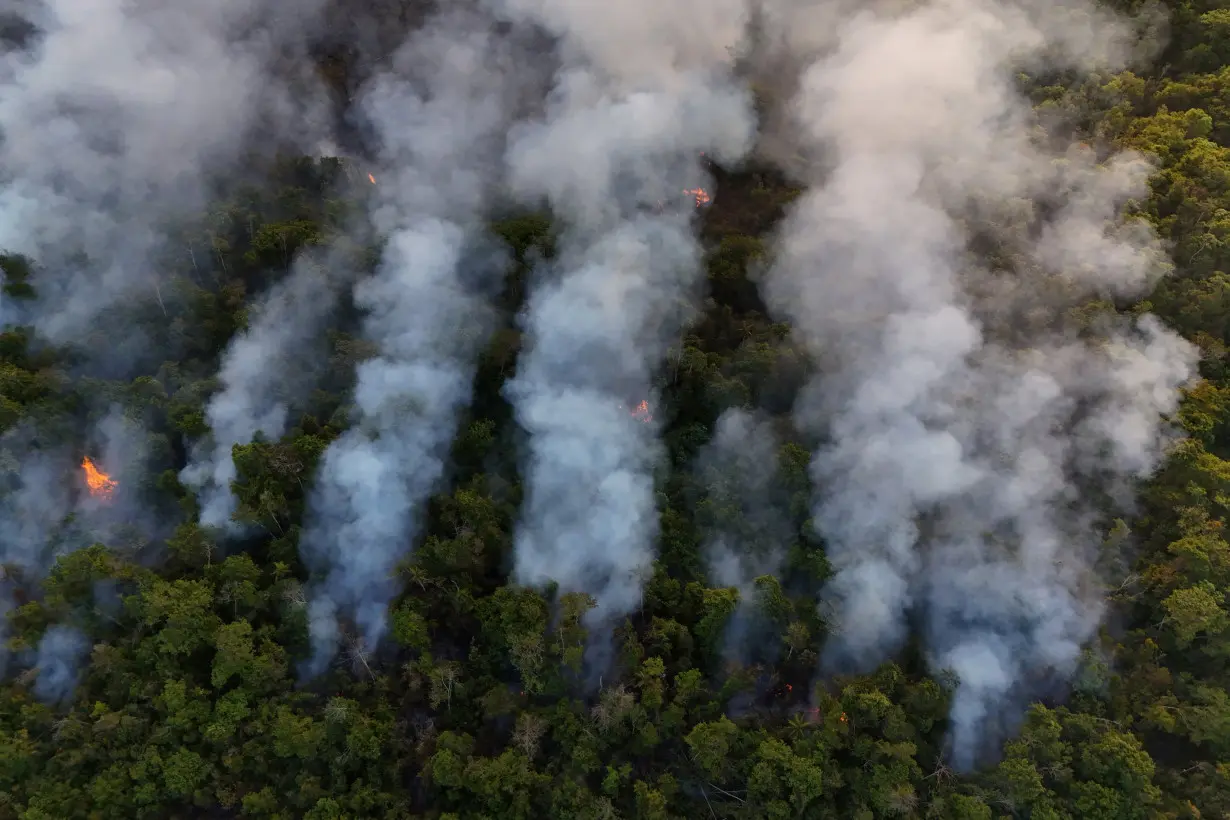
[641,412]
[372,178]
[699,194]
[101,485]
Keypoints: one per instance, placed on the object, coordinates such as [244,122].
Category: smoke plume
[33,505]
[746,528]
[60,653]
[46,509]
[114,114]
[643,88]
[971,414]
[265,369]
[440,114]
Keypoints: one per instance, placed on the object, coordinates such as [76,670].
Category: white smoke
[265,369]
[61,651]
[112,117]
[440,114]
[47,511]
[643,88]
[968,419]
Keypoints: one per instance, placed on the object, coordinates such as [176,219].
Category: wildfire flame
[699,194]
[372,178]
[101,485]
[641,413]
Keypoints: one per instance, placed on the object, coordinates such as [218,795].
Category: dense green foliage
[189,705]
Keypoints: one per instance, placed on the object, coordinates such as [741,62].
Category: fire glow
[100,484]
[372,178]
[641,413]
[700,195]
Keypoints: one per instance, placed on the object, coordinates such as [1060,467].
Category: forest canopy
[533,408]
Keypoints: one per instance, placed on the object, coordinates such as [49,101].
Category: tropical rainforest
[524,409]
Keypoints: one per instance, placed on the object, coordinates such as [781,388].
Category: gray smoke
[265,370]
[972,418]
[644,87]
[441,113]
[33,506]
[47,511]
[60,654]
[745,526]
[112,118]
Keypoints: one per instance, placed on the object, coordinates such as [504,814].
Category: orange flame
[641,413]
[700,195]
[372,178]
[101,485]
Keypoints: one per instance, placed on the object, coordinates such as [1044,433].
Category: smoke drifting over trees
[744,515]
[507,402]
[265,370]
[60,653]
[440,116]
[115,116]
[749,528]
[969,417]
[29,519]
[623,130]
[48,511]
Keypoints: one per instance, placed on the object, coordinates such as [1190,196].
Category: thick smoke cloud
[643,88]
[441,113]
[113,116]
[969,416]
[265,370]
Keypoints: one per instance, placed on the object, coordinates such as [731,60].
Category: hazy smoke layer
[110,121]
[970,415]
[60,653]
[264,370]
[46,509]
[441,114]
[34,503]
[747,532]
[643,88]
[746,528]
